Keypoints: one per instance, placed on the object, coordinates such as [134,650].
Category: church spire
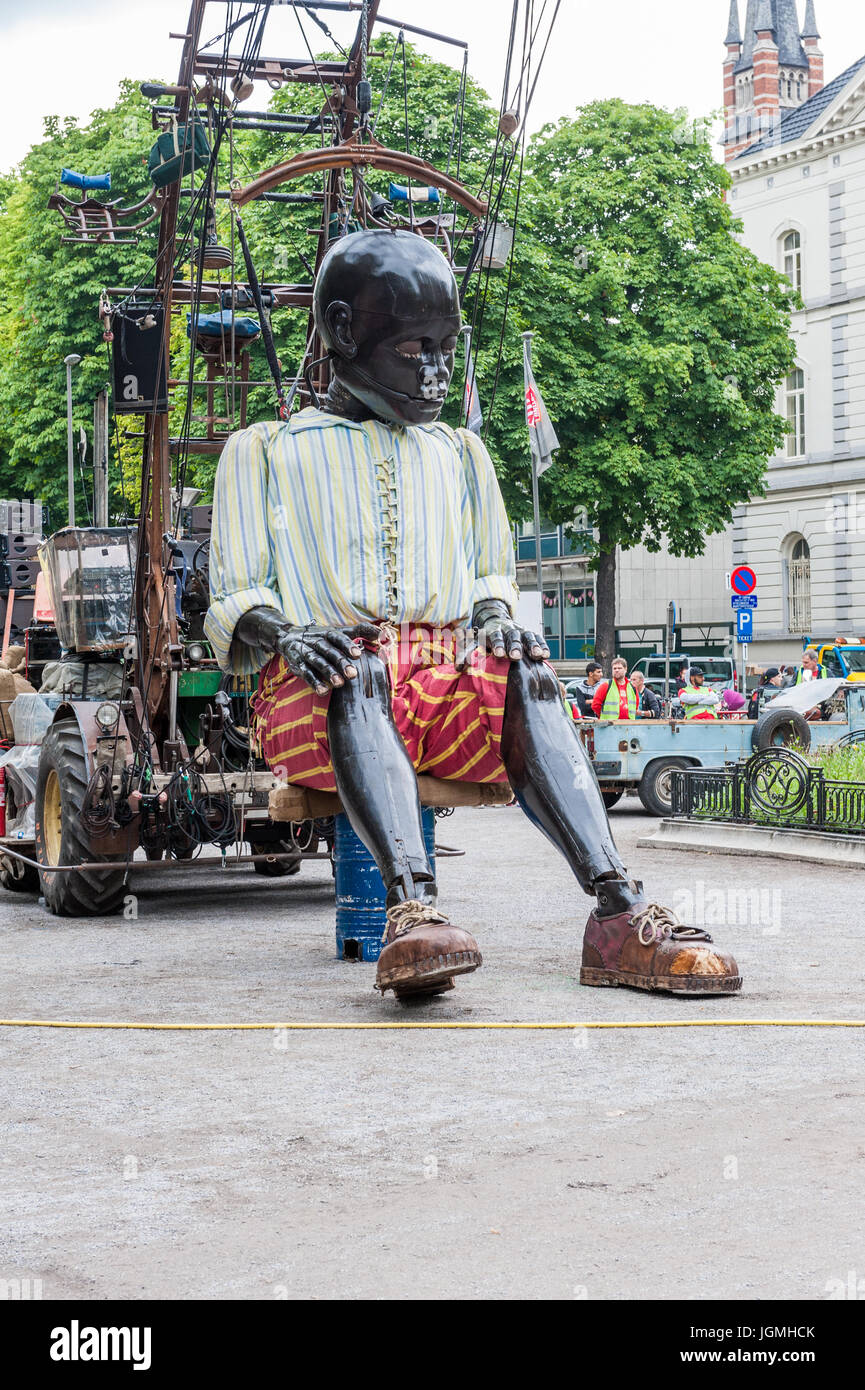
[734,33]
[809,28]
[764,18]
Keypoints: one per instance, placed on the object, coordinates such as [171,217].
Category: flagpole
[536,505]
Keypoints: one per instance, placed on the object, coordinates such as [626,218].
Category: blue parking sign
[745,625]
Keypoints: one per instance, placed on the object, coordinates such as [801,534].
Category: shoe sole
[433,973]
[668,984]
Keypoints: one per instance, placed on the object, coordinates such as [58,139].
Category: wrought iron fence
[774,788]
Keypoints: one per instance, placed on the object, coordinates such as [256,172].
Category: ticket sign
[745,625]
[743,580]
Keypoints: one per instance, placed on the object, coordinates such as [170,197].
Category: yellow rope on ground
[438,1024]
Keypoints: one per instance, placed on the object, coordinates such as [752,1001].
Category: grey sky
[665,51]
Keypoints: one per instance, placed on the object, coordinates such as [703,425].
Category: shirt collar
[311,418]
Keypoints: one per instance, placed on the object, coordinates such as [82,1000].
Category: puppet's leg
[627,940]
[378,789]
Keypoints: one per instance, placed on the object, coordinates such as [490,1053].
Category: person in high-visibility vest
[698,701]
[617,698]
[810,670]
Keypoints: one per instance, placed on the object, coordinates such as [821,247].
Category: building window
[550,540]
[792,245]
[796,414]
[553,621]
[799,585]
[578,614]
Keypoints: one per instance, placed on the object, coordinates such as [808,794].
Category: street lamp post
[71,361]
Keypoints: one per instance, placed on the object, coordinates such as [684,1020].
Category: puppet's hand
[497,632]
[323,656]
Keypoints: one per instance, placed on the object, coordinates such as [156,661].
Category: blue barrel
[360,892]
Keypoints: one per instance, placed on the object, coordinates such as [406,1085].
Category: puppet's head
[387,310]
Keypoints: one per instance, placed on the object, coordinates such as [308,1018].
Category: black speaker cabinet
[140,369]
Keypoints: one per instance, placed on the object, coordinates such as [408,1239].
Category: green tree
[49,296]
[660,339]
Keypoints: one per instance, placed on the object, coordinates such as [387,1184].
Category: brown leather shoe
[647,947]
[424,951]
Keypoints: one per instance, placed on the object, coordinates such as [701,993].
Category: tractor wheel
[16,877]
[61,784]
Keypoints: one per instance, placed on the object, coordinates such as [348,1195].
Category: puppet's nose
[433,381]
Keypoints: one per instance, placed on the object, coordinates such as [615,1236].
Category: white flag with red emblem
[542,436]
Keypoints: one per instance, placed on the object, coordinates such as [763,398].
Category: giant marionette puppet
[350,546]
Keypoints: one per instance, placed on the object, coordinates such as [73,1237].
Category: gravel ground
[692,1163]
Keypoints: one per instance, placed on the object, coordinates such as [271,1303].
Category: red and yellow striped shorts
[449,720]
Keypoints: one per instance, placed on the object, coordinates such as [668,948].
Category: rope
[439,1025]
[364,38]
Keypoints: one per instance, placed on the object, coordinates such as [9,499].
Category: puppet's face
[392,324]
[403,368]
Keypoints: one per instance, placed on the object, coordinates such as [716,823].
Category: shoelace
[657,923]
[403,917]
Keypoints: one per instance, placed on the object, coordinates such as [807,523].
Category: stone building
[796,152]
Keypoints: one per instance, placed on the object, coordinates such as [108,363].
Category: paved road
[690,1163]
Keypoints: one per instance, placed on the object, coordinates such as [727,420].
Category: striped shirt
[334,521]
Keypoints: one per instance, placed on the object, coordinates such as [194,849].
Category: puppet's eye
[410,349]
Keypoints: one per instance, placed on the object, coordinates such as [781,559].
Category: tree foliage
[660,338]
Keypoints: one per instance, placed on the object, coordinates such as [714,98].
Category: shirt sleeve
[487,533]
[242,574]
[599,698]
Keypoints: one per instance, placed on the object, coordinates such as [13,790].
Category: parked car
[720,671]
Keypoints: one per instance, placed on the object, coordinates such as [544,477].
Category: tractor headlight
[195,654]
[107,716]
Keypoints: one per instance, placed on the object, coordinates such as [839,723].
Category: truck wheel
[611,797]
[61,784]
[656,788]
[781,728]
[16,877]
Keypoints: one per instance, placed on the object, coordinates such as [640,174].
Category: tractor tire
[655,790]
[610,797]
[781,728]
[61,784]
[16,877]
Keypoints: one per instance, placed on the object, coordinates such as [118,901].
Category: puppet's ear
[337,317]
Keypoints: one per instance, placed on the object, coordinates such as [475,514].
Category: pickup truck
[639,755]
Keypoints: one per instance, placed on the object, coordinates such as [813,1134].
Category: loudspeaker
[18,546]
[196,521]
[140,368]
[19,574]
